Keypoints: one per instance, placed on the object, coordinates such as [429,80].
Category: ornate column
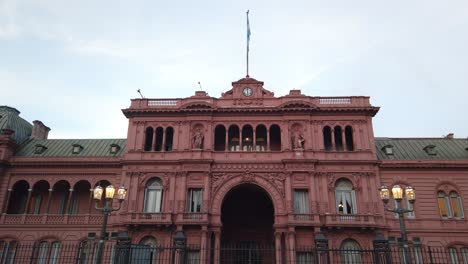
[343,136]
[333,146]
[226,147]
[67,209]
[153,143]
[278,252]
[48,200]
[292,245]
[268,139]
[254,139]
[28,200]
[7,202]
[163,147]
[240,140]
[217,246]
[90,201]
[203,245]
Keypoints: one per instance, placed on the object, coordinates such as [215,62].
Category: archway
[247,215]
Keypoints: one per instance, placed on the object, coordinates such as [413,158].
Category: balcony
[194,218]
[304,219]
[30,219]
[144,218]
[352,220]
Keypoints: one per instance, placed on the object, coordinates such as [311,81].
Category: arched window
[153,196]
[450,206]
[47,253]
[345,197]
[7,251]
[247,138]
[84,249]
[169,139]
[60,196]
[456,205]
[349,138]
[39,194]
[80,197]
[338,138]
[233,138]
[350,252]
[145,251]
[159,139]
[220,138]
[260,138]
[148,138]
[275,138]
[18,198]
[327,138]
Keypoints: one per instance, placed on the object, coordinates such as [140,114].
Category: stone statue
[297,140]
[197,139]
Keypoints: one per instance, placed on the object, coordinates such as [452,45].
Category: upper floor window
[247,138]
[350,252]
[345,197]
[159,139]
[301,201]
[7,251]
[47,253]
[194,200]
[153,196]
[457,253]
[338,139]
[450,206]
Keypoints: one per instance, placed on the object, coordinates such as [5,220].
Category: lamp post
[106,210]
[397,193]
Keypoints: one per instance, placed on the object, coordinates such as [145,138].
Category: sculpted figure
[297,140]
[197,139]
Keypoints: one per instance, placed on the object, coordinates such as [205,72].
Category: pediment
[297,104]
[197,105]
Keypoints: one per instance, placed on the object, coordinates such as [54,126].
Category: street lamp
[398,194]
[106,209]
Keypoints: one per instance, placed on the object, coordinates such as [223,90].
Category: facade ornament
[197,139]
[297,139]
[248,177]
[331,180]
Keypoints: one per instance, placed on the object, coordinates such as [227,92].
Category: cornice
[149,111]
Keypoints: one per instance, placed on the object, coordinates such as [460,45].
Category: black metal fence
[113,253]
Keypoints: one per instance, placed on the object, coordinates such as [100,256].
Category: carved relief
[197,137]
[276,179]
[297,138]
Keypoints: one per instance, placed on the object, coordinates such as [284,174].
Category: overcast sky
[75,64]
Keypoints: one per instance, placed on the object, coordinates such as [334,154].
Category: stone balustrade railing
[49,219]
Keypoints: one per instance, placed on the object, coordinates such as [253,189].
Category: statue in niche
[197,139]
[297,139]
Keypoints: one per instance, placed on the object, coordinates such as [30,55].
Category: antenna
[142,97]
[199,84]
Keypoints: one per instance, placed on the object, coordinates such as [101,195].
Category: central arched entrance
[247,215]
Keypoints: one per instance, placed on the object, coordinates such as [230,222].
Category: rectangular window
[453,256]
[194,200]
[442,206]
[301,201]
[153,200]
[304,258]
[193,257]
[464,253]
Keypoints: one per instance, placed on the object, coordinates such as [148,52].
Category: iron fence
[113,253]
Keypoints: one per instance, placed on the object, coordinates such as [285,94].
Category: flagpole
[248,42]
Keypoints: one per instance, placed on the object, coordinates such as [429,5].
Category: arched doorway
[247,215]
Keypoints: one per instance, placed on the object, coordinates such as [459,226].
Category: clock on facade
[247,91]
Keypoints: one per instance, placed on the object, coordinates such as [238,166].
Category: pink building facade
[247,167]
